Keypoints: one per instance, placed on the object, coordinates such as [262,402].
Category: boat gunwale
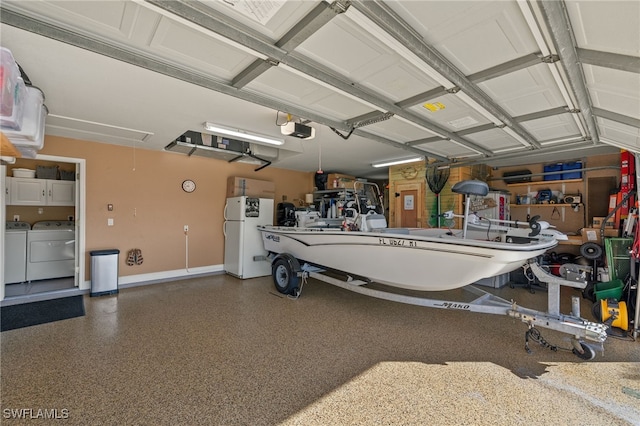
[490,245]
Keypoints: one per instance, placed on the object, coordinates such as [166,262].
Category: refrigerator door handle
[224,229]
[224,214]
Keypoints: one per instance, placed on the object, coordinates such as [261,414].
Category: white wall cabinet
[61,193]
[41,192]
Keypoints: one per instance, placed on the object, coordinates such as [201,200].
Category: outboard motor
[286,214]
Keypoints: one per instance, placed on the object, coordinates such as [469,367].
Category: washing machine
[15,252]
[51,250]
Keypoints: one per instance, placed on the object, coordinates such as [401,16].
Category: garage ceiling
[459,82]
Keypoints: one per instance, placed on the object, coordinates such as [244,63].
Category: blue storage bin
[553,168]
[572,166]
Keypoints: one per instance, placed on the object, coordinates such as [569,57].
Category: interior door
[408,212]
[409,205]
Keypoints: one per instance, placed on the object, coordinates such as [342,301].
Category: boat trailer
[289,276]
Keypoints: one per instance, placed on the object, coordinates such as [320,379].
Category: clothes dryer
[51,250]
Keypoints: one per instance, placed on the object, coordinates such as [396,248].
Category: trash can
[104,272]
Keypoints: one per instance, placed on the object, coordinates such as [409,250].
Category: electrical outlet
[16,218]
[186,228]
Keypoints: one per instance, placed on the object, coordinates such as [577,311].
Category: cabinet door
[61,193]
[28,192]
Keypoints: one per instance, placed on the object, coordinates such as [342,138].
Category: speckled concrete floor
[220,351]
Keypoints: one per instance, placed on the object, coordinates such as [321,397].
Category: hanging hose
[436,179]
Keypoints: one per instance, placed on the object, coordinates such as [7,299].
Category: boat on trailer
[429,259]
[366,251]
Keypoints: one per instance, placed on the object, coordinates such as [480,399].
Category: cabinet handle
[43,193]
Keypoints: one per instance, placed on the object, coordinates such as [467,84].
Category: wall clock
[188,185]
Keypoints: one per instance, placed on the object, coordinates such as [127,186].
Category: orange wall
[150,208]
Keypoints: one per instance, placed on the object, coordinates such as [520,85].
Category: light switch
[110,207]
[110,221]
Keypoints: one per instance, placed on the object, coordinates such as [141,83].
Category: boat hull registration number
[397,242]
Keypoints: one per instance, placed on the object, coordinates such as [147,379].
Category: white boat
[432,259]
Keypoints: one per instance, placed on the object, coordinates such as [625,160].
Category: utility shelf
[544,182]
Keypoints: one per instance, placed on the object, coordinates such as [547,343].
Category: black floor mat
[41,312]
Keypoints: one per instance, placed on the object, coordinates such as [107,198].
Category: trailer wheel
[588,352]
[285,277]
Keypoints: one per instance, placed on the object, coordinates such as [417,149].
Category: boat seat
[471,187]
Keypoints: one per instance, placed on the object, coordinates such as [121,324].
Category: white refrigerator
[244,253]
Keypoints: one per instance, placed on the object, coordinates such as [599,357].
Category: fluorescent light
[395,162]
[241,134]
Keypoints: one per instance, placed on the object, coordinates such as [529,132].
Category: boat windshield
[369,198]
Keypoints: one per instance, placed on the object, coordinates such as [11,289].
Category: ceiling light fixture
[395,162]
[241,134]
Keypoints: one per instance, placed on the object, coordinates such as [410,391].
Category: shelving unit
[337,195]
[548,183]
[558,185]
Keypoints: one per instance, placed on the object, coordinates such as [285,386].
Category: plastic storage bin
[104,272]
[12,90]
[566,174]
[609,290]
[30,138]
[553,168]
